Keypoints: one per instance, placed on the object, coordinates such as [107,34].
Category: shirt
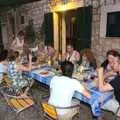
[12,70]
[16,76]
[62,90]
[116,85]
[17,45]
[3,69]
[72,58]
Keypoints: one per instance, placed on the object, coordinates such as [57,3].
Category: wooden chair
[15,99]
[6,82]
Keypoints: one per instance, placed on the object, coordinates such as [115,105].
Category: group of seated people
[15,62]
[63,87]
[43,55]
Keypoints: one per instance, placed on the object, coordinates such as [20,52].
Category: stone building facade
[100,43]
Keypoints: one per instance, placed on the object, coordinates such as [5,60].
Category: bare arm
[86,93]
[103,86]
[109,73]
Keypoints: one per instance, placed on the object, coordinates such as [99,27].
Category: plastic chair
[50,111]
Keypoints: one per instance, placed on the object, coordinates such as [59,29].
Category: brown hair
[113,53]
[13,55]
[89,54]
[20,33]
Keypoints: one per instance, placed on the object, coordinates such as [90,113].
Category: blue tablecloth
[97,98]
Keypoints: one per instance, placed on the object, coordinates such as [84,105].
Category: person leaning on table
[107,65]
[114,84]
[62,89]
[15,70]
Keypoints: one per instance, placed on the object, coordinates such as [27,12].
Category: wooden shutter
[84,22]
[48,22]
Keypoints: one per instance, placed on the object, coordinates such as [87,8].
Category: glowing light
[67,6]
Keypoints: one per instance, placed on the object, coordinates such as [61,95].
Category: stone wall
[35,11]
[100,45]
[95,40]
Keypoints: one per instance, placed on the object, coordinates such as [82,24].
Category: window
[110,21]
[113,24]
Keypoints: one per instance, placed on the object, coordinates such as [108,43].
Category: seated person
[52,54]
[25,54]
[114,85]
[62,89]
[3,63]
[88,59]
[18,42]
[40,49]
[108,65]
[71,55]
[41,54]
[15,70]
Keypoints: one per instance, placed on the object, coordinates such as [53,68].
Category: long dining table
[97,98]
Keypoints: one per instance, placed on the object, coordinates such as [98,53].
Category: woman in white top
[18,42]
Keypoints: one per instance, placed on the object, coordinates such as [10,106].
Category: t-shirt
[62,90]
[116,85]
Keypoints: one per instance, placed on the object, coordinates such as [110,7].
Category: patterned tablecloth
[97,98]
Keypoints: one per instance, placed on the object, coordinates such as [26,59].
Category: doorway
[76,28]
[67,29]
[71,27]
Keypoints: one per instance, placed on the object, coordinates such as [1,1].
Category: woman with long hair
[88,58]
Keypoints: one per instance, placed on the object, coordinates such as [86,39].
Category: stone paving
[34,113]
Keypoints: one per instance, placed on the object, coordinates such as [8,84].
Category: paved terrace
[32,113]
